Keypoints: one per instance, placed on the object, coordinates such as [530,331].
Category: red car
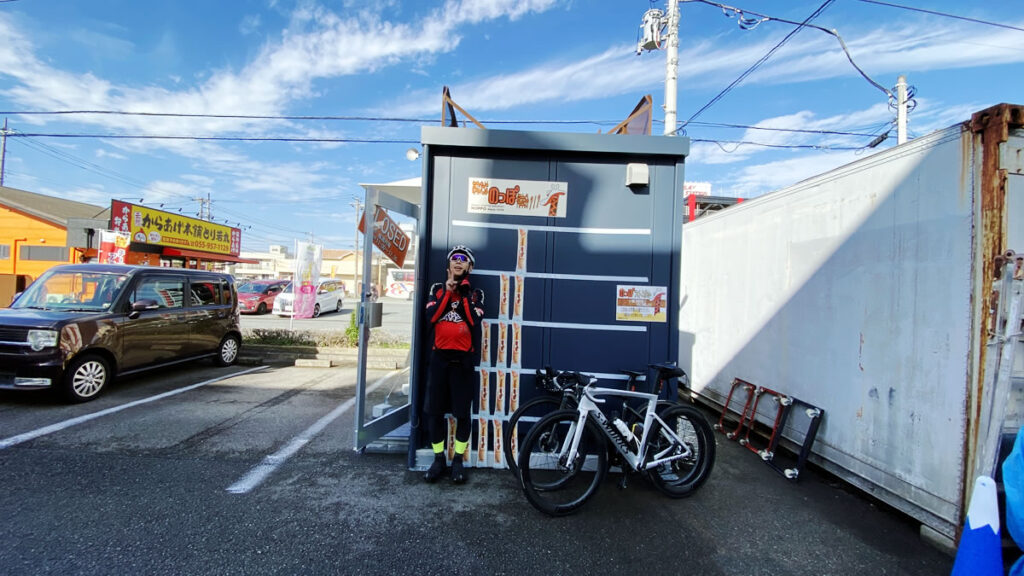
[257,296]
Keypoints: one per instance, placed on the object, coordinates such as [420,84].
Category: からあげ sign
[387,236]
[149,226]
[517,197]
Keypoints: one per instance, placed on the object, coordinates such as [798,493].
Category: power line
[87,165]
[417,120]
[217,138]
[373,141]
[285,117]
[772,129]
[944,15]
[739,143]
[760,61]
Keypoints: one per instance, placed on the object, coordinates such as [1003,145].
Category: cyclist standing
[454,311]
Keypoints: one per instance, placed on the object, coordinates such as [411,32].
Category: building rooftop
[49,208]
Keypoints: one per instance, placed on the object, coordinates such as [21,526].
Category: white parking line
[259,473]
[13,440]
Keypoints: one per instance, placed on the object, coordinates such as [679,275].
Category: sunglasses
[459,258]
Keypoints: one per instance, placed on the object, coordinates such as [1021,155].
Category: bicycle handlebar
[554,381]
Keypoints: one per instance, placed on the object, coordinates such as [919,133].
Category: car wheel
[227,352]
[262,308]
[316,311]
[86,377]
[338,307]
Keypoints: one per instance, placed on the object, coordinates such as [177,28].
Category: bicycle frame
[637,459]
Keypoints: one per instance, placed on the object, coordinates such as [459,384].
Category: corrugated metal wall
[851,291]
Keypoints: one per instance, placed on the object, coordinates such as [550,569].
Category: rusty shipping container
[866,291]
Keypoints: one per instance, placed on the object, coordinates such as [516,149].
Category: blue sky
[516,64]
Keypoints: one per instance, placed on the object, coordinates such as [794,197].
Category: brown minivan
[79,325]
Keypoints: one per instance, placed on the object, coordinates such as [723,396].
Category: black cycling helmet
[464,250]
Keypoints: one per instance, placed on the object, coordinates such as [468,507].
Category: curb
[378,358]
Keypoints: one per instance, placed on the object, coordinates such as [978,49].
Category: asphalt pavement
[143,491]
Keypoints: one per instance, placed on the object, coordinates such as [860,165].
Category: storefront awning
[207,256]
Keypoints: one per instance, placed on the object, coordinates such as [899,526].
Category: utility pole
[671,68]
[901,109]
[658,27]
[205,207]
[3,150]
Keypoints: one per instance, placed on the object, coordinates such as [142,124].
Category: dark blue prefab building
[577,245]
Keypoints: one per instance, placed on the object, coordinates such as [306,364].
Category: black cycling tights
[439,429]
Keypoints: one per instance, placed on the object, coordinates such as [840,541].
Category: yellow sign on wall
[149,226]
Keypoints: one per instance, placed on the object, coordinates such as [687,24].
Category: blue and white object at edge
[1013,489]
[980,552]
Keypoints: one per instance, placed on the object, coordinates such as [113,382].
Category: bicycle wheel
[523,419]
[554,485]
[681,477]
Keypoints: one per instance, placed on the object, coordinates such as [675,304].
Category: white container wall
[855,291]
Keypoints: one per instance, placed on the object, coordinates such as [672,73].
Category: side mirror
[142,304]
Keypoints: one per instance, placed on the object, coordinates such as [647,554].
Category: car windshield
[253,288]
[80,291]
[287,288]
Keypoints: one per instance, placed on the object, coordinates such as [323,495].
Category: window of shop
[5,251]
[44,253]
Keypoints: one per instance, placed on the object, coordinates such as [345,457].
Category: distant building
[38,232]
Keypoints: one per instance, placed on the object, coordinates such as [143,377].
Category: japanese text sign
[149,226]
[518,197]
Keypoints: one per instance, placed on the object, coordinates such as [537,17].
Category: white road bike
[565,456]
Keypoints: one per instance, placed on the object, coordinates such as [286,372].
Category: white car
[329,297]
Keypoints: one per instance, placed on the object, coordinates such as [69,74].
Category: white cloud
[709,63]
[103,153]
[780,131]
[198,179]
[95,195]
[888,50]
[250,24]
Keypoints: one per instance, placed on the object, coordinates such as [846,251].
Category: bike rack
[814,416]
[786,405]
[750,389]
[784,402]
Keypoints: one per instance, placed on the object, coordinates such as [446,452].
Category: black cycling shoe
[436,470]
[458,472]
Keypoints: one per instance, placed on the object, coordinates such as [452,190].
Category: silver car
[329,297]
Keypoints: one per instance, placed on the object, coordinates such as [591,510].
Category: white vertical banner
[307,277]
[113,246]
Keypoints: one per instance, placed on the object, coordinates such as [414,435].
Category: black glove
[464,287]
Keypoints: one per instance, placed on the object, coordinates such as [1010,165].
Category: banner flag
[113,246]
[307,277]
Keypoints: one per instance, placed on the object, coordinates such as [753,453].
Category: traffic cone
[980,552]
